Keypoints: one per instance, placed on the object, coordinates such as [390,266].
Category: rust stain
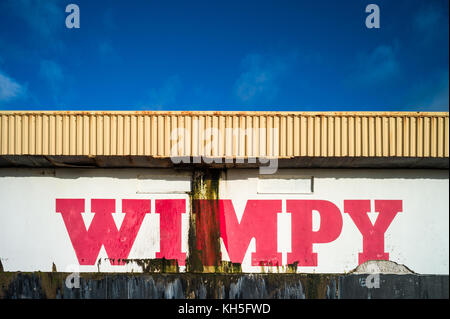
[208,232]
[204,230]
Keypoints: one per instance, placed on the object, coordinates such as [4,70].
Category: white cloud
[429,22]
[166,95]
[431,93]
[53,74]
[440,98]
[436,92]
[9,88]
[427,19]
[109,19]
[259,81]
[51,71]
[377,67]
[106,51]
[45,17]
[105,48]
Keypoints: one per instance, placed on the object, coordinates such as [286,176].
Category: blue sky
[224,55]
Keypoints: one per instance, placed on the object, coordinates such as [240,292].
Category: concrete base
[39,285]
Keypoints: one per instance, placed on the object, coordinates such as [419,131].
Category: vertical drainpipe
[204,225]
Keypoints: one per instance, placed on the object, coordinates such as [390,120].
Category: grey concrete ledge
[135,161]
[40,285]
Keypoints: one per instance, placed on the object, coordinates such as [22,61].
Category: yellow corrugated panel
[226,134]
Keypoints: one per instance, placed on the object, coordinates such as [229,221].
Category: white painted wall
[33,236]
[418,237]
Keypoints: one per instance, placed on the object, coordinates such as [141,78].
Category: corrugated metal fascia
[228,113]
[225,134]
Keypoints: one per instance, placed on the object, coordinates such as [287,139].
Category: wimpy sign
[259,221]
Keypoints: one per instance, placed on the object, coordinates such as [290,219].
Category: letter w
[102,230]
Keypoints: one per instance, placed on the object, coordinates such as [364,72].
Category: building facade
[239,198]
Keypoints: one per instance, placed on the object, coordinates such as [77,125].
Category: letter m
[259,221]
[102,230]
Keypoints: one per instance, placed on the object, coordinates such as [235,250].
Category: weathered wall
[221,286]
[191,216]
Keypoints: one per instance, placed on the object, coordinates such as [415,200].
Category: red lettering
[102,230]
[303,235]
[214,218]
[259,221]
[170,211]
[373,235]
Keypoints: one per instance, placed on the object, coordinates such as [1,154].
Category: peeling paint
[381,266]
